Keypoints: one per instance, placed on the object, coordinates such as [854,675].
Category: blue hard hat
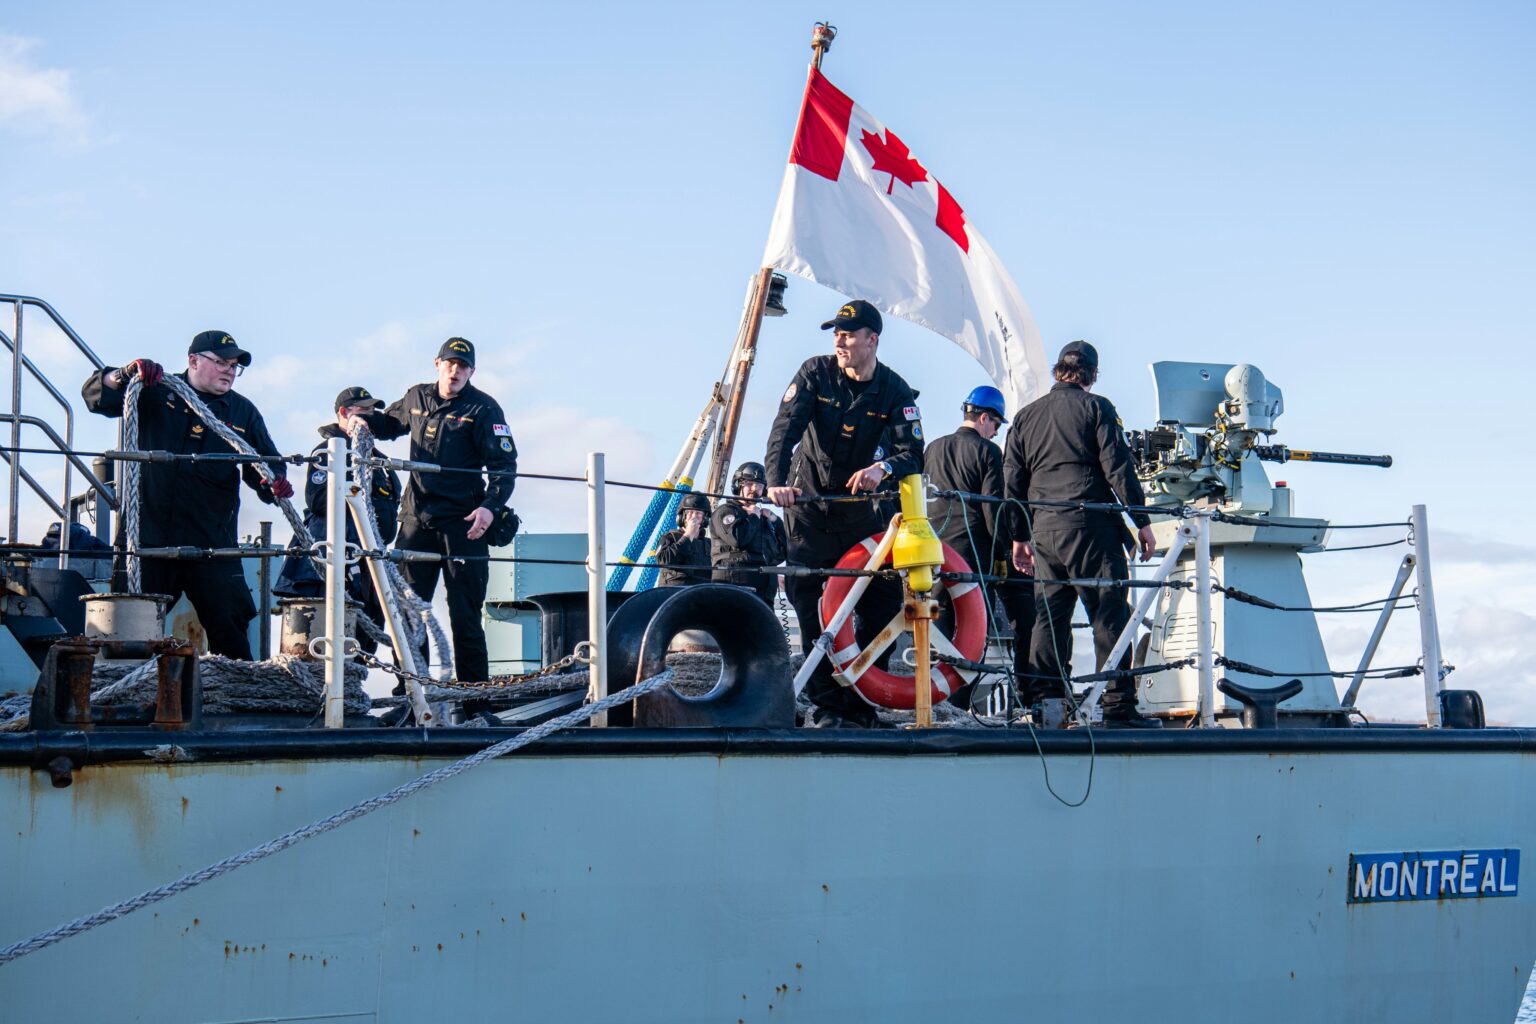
[989,398]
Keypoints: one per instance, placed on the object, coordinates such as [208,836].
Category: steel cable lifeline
[43,940]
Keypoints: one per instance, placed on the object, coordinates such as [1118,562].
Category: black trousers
[1017,597]
[465,580]
[217,590]
[1097,550]
[818,540]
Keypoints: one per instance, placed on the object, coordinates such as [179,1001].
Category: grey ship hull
[723,876]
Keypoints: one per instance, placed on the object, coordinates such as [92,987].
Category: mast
[821,41]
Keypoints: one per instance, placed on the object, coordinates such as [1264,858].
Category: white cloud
[37,100]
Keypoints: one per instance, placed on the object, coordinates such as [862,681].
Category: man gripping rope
[191,503]
[456,425]
[823,442]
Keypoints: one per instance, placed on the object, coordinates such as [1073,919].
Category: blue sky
[1339,194]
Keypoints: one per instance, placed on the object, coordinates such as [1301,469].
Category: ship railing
[66,507]
[1193,530]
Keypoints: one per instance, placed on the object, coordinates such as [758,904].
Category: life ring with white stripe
[853,666]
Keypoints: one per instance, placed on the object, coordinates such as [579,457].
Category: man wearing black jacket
[969,460]
[823,442]
[1068,446]
[195,504]
[686,547]
[746,535]
[300,577]
[459,427]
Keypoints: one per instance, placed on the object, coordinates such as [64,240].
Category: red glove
[281,488]
[147,370]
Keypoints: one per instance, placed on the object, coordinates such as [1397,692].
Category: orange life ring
[879,687]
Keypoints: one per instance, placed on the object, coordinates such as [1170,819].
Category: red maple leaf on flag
[892,157]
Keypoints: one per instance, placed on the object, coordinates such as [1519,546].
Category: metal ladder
[67,508]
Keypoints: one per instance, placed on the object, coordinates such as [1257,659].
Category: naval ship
[1268,855]
[589,839]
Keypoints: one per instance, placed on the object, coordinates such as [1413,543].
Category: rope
[80,925]
[131,502]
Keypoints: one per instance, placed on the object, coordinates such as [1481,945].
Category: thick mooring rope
[130,496]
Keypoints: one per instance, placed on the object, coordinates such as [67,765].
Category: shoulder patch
[317,477]
[789,395]
[728,518]
[501,430]
[917,431]
[911,413]
[506,444]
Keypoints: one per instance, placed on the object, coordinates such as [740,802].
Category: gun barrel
[1280,453]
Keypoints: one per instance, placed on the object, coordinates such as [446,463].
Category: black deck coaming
[113,746]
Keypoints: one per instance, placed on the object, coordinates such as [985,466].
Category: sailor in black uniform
[823,441]
[300,577]
[969,460]
[196,504]
[1068,445]
[686,547]
[747,534]
[459,427]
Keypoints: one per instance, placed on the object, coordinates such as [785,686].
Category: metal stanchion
[1429,626]
[1205,658]
[335,582]
[597,594]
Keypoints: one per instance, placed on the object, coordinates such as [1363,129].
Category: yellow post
[918,552]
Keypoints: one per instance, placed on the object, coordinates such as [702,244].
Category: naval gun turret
[1215,422]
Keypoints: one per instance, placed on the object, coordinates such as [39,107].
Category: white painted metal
[1429,626]
[336,483]
[597,594]
[824,642]
[394,625]
[1403,572]
[1182,535]
[1205,663]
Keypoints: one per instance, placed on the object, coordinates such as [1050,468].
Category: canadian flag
[859,214]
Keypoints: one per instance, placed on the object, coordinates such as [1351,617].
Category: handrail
[38,490]
[19,361]
[104,489]
[59,322]
[69,438]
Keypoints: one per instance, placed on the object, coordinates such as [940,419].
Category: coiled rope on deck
[43,940]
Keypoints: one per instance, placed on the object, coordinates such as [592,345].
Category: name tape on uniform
[1433,875]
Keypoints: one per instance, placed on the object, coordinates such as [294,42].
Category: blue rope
[640,538]
[648,577]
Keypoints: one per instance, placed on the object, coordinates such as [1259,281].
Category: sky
[1341,195]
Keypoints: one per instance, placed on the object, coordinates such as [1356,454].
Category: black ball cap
[219,345]
[458,348]
[1083,350]
[854,315]
[356,396]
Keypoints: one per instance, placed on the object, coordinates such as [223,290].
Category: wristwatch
[885,467]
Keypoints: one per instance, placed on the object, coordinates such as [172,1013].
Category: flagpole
[821,41]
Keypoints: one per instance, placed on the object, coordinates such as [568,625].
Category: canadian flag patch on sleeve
[911,413]
[501,430]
